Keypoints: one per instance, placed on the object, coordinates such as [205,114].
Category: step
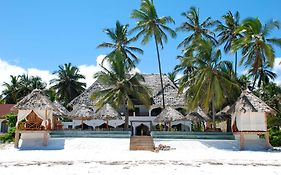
[142,143]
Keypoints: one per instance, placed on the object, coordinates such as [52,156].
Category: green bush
[9,137]
[274,126]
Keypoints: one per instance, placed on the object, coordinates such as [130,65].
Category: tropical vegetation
[149,25]
[122,88]
[68,83]
[208,80]
[121,42]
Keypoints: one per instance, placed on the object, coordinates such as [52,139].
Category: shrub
[274,125]
[12,119]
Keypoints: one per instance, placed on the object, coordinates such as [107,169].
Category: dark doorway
[142,130]
[4,126]
[156,111]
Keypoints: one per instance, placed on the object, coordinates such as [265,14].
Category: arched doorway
[4,126]
[142,130]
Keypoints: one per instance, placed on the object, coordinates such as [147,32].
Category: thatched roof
[152,81]
[62,110]
[107,112]
[169,114]
[248,102]
[85,97]
[170,90]
[82,112]
[35,100]
[197,115]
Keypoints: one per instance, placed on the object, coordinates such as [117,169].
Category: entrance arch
[142,130]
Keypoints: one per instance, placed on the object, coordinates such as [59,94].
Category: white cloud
[277,65]
[44,74]
[277,70]
[7,69]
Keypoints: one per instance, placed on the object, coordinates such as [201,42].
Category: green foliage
[121,42]
[20,86]
[123,88]
[274,125]
[9,137]
[68,85]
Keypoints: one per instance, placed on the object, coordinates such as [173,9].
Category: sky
[38,36]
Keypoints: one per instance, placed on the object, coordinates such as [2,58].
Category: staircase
[142,143]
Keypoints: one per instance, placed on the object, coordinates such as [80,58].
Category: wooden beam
[242,141]
[17,138]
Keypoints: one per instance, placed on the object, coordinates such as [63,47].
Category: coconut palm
[121,42]
[149,25]
[28,84]
[257,49]
[244,81]
[11,90]
[210,80]
[172,76]
[68,85]
[227,33]
[263,75]
[198,30]
[122,89]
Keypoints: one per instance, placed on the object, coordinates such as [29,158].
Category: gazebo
[168,115]
[107,112]
[82,112]
[249,117]
[34,117]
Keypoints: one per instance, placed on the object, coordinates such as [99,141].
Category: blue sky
[41,35]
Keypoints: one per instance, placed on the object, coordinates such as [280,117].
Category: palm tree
[150,25]
[227,33]
[172,76]
[67,85]
[27,84]
[210,80]
[199,30]
[121,42]
[257,49]
[37,83]
[122,88]
[2,101]
[263,75]
[244,81]
[11,91]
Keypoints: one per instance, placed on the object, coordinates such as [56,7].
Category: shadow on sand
[250,145]
[36,144]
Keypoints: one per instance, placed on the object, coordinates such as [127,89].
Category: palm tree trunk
[235,64]
[126,116]
[254,83]
[160,71]
[213,112]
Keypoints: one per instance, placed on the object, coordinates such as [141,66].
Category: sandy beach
[112,156]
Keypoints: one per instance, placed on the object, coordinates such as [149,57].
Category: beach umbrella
[62,111]
[82,112]
[168,115]
[107,112]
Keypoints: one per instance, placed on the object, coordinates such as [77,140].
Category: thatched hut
[34,116]
[249,116]
[107,112]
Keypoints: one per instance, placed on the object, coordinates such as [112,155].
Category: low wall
[192,135]
[90,134]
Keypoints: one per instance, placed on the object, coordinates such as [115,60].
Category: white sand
[112,156]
